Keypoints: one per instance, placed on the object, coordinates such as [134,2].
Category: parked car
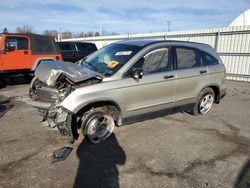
[125,82]
[74,51]
[22,53]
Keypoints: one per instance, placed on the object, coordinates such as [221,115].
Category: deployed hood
[49,71]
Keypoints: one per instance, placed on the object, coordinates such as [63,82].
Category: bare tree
[89,34]
[24,29]
[97,34]
[66,35]
[114,33]
[79,35]
[50,32]
[5,30]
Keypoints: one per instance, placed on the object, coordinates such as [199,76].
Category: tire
[204,102]
[98,124]
[2,83]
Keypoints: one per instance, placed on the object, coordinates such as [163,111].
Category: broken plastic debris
[61,154]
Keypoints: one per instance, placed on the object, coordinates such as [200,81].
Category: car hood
[49,72]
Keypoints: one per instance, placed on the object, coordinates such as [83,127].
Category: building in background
[242,20]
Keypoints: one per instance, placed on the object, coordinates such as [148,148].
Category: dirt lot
[179,150]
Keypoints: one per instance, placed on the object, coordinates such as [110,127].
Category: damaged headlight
[52,77]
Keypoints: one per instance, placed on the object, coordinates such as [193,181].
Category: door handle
[203,71]
[168,76]
[25,52]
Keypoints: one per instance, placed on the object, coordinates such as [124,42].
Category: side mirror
[137,73]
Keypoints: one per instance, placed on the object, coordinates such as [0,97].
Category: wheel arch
[94,104]
[216,90]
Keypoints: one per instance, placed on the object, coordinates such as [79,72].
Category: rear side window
[208,60]
[20,43]
[43,45]
[65,46]
[187,58]
[86,46]
[80,46]
[156,61]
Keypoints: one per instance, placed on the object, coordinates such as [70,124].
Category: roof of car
[28,34]
[74,42]
[146,42]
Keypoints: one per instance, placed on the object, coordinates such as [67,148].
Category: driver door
[155,90]
[19,56]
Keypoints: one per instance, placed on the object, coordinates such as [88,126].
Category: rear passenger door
[191,76]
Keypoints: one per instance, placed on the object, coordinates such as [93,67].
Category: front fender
[76,101]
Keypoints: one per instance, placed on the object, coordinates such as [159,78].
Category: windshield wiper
[81,61]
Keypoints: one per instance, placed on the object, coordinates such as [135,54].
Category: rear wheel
[98,124]
[204,102]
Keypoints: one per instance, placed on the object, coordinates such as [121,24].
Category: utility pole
[100,31]
[169,25]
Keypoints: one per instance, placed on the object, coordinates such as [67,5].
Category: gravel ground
[178,150]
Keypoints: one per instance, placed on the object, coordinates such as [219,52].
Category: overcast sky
[127,16]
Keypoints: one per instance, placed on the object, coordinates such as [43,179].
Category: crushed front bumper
[57,117]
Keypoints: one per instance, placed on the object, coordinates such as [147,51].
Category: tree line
[63,34]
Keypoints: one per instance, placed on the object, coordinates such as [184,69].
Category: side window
[208,60]
[186,58]
[80,46]
[20,43]
[65,46]
[156,61]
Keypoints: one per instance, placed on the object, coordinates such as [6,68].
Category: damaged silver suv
[125,82]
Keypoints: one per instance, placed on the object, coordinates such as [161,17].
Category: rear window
[86,46]
[65,46]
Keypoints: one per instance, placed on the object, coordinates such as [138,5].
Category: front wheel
[204,102]
[98,125]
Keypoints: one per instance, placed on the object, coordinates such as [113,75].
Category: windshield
[110,59]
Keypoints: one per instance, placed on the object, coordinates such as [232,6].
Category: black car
[74,51]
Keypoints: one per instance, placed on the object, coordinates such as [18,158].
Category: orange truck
[22,53]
